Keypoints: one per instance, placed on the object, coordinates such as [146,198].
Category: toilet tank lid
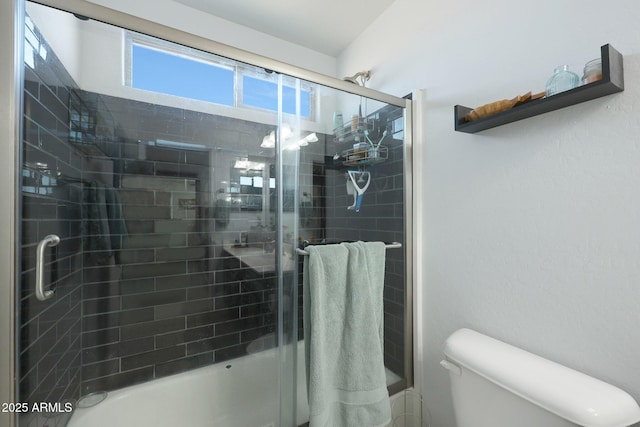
[570,394]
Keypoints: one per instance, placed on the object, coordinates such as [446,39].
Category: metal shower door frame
[11,34]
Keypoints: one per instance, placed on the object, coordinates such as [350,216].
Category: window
[262,93]
[161,67]
[165,72]
[397,128]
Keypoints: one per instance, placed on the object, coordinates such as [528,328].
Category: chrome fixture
[364,77]
[392,245]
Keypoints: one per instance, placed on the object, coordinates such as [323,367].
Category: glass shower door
[345,136]
[159,217]
[180,185]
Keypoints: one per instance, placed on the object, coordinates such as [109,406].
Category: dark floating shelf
[612,82]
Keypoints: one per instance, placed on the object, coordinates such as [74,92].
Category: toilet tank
[495,384]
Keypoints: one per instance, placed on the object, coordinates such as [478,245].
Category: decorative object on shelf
[592,71]
[499,106]
[562,80]
[612,81]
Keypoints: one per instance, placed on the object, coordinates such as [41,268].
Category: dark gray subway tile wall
[171,290]
[50,331]
[381,218]
[190,282]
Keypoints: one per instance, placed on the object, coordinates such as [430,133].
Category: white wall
[61,33]
[177,15]
[531,231]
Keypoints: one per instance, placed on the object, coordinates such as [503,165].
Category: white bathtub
[243,395]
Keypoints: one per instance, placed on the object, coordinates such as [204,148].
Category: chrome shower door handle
[49,241]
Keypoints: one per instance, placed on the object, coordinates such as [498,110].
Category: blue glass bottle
[562,80]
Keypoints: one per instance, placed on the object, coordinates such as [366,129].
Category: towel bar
[393,245]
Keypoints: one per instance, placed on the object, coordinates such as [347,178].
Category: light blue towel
[343,323]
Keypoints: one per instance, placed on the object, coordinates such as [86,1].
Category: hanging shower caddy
[366,156]
[365,134]
[367,151]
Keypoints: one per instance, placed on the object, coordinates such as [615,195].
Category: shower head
[364,76]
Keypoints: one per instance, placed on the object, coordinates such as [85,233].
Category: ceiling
[326,26]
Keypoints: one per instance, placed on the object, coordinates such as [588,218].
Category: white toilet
[497,385]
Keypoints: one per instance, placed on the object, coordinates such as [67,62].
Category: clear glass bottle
[562,80]
[592,71]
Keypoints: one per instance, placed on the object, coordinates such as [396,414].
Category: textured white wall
[530,231]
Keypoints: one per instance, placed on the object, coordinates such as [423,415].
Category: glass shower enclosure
[162,191]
